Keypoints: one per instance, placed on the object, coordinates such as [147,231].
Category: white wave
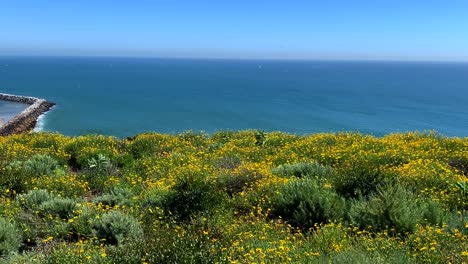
[40,123]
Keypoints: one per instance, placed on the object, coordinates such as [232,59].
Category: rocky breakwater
[27,119]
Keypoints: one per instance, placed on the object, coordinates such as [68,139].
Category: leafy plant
[14,177]
[303,169]
[116,227]
[360,178]
[228,162]
[60,207]
[304,203]
[33,199]
[10,237]
[392,208]
[191,194]
[41,164]
[118,196]
[459,163]
[260,138]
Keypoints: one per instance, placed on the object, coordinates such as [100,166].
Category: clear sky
[285,29]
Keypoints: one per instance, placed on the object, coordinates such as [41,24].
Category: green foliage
[147,145]
[459,163]
[33,199]
[173,243]
[101,163]
[41,164]
[260,138]
[360,178]
[98,169]
[118,196]
[14,177]
[434,214]
[304,169]
[10,237]
[245,197]
[304,203]
[116,227]
[229,162]
[392,208]
[81,149]
[64,208]
[236,183]
[191,194]
[82,226]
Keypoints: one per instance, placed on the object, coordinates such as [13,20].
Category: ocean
[8,110]
[127,96]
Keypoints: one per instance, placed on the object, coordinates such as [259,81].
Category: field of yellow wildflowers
[234,197]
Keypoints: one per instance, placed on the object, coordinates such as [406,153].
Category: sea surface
[8,110]
[127,96]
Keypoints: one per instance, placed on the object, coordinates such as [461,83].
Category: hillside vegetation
[234,197]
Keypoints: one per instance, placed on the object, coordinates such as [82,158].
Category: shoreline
[27,119]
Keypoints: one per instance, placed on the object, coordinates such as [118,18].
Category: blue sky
[251,29]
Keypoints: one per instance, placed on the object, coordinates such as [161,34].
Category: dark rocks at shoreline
[27,119]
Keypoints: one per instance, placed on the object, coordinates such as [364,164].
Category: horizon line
[227,58]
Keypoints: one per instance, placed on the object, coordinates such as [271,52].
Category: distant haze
[337,30]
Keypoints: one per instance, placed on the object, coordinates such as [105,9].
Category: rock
[26,120]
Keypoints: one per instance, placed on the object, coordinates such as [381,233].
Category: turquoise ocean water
[126,96]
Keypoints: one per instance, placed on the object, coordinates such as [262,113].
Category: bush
[191,194]
[60,207]
[228,163]
[14,177]
[147,145]
[33,199]
[236,183]
[99,168]
[360,178]
[393,208]
[116,227]
[118,196]
[10,237]
[459,163]
[304,203]
[82,224]
[303,169]
[41,164]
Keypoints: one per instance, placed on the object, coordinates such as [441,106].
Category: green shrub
[260,138]
[434,214]
[100,163]
[82,148]
[14,177]
[459,163]
[149,144]
[41,164]
[33,199]
[98,170]
[236,183]
[360,178]
[116,227]
[64,208]
[304,203]
[191,194]
[303,169]
[10,237]
[393,208]
[229,162]
[458,221]
[173,243]
[118,196]
[82,224]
